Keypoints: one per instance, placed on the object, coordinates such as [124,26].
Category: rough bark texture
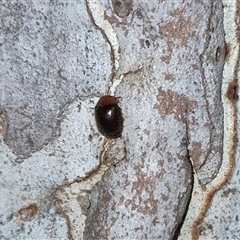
[172,81]
[50,54]
[59,177]
[214,210]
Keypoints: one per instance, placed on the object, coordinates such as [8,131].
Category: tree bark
[173,172]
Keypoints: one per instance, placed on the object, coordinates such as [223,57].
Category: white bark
[60,178]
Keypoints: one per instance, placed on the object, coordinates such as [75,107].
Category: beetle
[108,116]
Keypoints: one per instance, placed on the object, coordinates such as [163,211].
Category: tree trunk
[173,173]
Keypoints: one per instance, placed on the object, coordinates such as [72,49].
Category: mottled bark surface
[50,54]
[171,85]
[59,177]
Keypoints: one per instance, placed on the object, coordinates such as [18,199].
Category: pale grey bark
[59,177]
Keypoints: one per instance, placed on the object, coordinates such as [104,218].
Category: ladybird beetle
[108,116]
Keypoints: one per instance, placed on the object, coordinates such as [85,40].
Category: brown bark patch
[171,103]
[146,182]
[195,153]
[232,92]
[181,28]
[28,213]
[228,51]
[169,77]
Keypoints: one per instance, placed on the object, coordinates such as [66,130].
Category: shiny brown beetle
[108,116]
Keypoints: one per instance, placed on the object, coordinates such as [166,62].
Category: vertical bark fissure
[189,189]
